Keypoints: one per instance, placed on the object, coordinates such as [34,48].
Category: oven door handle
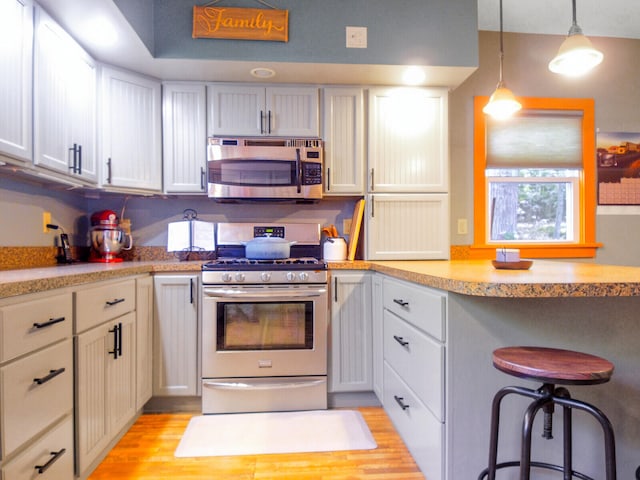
[272,294]
[247,385]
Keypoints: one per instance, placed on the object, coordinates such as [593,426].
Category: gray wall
[614,86]
[437,32]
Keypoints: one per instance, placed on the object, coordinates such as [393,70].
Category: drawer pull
[52,374]
[56,455]
[400,302]
[115,302]
[48,323]
[400,401]
[401,340]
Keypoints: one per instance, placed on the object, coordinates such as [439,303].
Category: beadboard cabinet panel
[16,69]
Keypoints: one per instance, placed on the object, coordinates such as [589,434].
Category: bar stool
[549,366]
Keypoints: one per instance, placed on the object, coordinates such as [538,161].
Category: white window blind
[535,139]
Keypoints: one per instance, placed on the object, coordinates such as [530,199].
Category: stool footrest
[548,466]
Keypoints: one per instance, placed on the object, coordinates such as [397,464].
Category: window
[534,180]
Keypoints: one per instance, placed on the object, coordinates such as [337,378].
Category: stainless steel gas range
[265,321]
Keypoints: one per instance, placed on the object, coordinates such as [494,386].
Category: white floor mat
[275,432]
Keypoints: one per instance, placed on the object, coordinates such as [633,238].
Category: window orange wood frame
[586,245]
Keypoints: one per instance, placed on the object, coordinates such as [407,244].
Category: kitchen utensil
[335,249]
[107,242]
[267,248]
[354,232]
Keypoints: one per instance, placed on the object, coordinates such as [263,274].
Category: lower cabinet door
[48,458]
[421,431]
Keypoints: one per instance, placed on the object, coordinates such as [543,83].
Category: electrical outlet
[46,219]
[356,37]
[346,225]
[462,226]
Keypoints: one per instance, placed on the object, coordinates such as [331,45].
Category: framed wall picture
[618,161]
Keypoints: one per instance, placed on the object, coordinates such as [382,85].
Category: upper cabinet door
[237,110]
[292,111]
[64,102]
[343,135]
[16,42]
[184,137]
[408,140]
[131,141]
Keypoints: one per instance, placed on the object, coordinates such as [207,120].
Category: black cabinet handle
[261,121]
[328,179]
[202,178]
[74,150]
[269,122]
[114,301]
[48,323]
[114,352]
[56,455]
[52,374]
[79,159]
[401,340]
[109,170]
[120,339]
[191,291]
[372,182]
[400,302]
[400,401]
[335,289]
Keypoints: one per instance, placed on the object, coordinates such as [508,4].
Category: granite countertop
[469,277]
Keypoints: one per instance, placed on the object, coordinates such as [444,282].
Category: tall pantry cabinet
[408,179]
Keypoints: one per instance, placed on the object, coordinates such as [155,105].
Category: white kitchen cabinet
[64,102]
[36,385]
[144,340]
[407,226]
[176,314]
[350,368]
[131,131]
[16,83]
[408,177]
[343,135]
[105,368]
[414,369]
[237,110]
[184,137]
[408,140]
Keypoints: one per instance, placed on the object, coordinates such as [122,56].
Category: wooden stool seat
[552,365]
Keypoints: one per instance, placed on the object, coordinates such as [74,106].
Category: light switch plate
[356,37]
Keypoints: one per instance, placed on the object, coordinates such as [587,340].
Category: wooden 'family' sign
[241,23]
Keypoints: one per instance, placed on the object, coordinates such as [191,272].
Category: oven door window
[265,326]
[253,173]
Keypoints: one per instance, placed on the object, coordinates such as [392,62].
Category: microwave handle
[299,170]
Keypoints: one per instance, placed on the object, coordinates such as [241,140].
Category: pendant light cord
[501,49]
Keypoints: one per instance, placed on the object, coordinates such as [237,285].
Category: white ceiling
[602,18]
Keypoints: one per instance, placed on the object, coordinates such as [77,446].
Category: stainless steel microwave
[264,169]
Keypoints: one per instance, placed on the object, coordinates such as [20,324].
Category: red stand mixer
[107,237]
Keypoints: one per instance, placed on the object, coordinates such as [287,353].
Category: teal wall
[407,32]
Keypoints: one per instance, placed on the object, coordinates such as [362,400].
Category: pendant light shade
[576,55]
[502,104]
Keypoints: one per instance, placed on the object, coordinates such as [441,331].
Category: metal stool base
[545,398]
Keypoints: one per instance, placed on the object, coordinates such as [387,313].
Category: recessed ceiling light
[413,76]
[262,72]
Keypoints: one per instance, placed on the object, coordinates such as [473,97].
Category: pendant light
[502,103]
[576,55]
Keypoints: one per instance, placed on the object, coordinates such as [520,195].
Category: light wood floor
[146,453]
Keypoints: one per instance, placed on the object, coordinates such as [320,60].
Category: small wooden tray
[520,265]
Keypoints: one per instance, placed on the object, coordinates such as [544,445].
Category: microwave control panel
[311,173]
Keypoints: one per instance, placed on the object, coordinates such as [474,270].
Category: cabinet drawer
[33,323]
[104,302]
[421,306]
[418,359]
[420,430]
[53,452]
[29,405]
